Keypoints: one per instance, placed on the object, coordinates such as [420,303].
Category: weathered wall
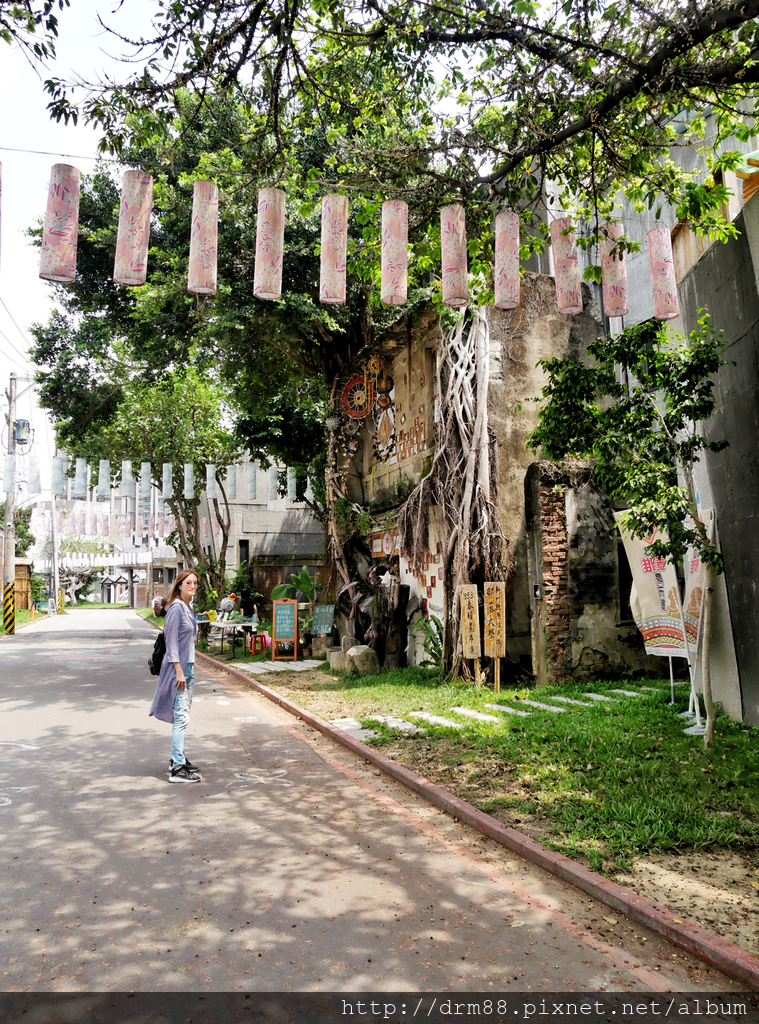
[724,280]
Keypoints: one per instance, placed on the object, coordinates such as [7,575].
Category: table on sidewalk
[233,628]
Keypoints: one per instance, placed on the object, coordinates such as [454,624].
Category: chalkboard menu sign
[324,616]
[284,628]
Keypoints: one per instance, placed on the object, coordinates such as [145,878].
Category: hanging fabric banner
[211,481]
[394,272]
[59,522]
[252,480]
[216,527]
[119,530]
[167,481]
[145,480]
[507,290]
[127,526]
[613,272]
[151,527]
[79,490]
[35,483]
[139,528]
[453,252]
[270,244]
[334,255]
[160,526]
[93,524]
[58,485]
[127,480]
[104,478]
[171,524]
[230,483]
[655,599]
[81,524]
[273,484]
[133,237]
[9,473]
[201,278]
[204,528]
[695,581]
[663,278]
[61,228]
[292,484]
[566,267]
[189,480]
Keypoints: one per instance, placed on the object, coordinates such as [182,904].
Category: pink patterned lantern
[453,244]
[507,260]
[59,234]
[566,267]
[270,243]
[613,272]
[131,266]
[201,278]
[662,274]
[334,248]
[394,282]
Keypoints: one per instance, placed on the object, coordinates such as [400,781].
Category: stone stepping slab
[354,728]
[261,667]
[598,696]
[571,700]
[479,715]
[543,707]
[506,710]
[408,728]
[629,693]
[435,719]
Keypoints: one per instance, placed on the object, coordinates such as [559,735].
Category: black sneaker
[187,763]
[183,774]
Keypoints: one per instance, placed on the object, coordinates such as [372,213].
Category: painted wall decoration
[506,260]
[61,227]
[613,272]
[394,270]
[270,244]
[663,278]
[204,234]
[453,251]
[334,249]
[565,266]
[131,266]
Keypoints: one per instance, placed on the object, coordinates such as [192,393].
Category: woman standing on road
[173,694]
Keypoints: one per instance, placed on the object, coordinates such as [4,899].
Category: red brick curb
[717,952]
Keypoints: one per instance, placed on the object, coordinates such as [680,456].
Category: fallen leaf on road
[611,920]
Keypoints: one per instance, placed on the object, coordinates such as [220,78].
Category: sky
[30,143]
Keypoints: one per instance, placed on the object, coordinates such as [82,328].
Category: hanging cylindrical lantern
[507,260]
[35,482]
[270,244]
[104,479]
[145,479]
[292,484]
[453,246]
[167,481]
[189,480]
[394,274]
[61,228]
[211,481]
[230,484]
[252,480]
[9,473]
[273,484]
[613,272]
[204,233]
[131,265]
[334,249]
[663,274]
[79,490]
[565,266]
[127,480]
[57,485]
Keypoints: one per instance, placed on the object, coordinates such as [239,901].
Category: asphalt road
[292,866]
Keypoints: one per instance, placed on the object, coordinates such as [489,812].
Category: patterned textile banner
[211,481]
[35,484]
[58,486]
[655,597]
[204,528]
[127,480]
[189,480]
[104,479]
[145,481]
[167,482]
[292,484]
[230,483]
[9,473]
[79,489]
[252,480]
[273,483]
[695,579]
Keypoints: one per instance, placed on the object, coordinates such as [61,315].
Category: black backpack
[156,658]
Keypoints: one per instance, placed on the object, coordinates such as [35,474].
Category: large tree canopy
[589,93]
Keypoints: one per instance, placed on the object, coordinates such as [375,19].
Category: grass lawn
[22,616]
[608,781]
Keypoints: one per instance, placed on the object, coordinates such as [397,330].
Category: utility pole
[10,495]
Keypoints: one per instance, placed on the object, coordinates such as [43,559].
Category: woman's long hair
[174,588]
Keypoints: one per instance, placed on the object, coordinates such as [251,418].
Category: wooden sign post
[284,628]
[470,627]
[495,631]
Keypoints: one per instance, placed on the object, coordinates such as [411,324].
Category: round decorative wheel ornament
[384,401]
[374,366]
[358,397]
[385,384]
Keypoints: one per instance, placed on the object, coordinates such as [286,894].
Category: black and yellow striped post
[9,608]
[61,601]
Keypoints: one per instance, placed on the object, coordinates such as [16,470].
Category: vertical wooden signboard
[495,631]
[470,627]
[284,628]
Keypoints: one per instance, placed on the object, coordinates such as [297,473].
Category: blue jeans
[182,705]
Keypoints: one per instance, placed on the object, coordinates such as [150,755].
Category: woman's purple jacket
[180,631]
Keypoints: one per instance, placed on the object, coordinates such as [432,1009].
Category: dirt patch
[718,889]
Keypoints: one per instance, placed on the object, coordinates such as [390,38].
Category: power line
[69,156]
[7,355]
[24,337]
